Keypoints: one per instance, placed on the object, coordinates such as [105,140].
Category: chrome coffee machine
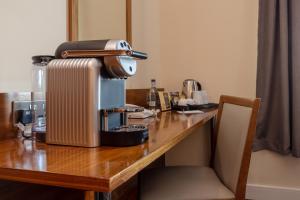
[85,95]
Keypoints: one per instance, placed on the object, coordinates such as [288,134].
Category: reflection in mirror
[100,19]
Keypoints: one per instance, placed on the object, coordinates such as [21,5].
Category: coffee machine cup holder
[125,134]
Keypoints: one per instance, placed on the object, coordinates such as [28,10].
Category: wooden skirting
[262,192]
[138,96]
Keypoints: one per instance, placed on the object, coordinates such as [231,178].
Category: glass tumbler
[38,95]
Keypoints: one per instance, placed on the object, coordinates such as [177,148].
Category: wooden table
[100,169]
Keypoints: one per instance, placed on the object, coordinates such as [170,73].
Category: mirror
[99,19]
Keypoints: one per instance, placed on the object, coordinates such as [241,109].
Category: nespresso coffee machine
[86,95]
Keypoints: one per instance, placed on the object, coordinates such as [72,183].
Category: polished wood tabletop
[99,169]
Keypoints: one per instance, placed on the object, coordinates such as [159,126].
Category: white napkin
[184,102]
[190,112]
[141,115]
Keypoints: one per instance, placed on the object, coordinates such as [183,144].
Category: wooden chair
[227,176]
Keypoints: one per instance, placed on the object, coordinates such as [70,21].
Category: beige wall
[214,42]
[211,41]
[146,37]
[28,28]
[204,40]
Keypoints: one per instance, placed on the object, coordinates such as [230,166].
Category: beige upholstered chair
[227,177]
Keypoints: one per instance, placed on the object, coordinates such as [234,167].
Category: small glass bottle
[152,96]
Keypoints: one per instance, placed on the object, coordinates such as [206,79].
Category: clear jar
[38,95]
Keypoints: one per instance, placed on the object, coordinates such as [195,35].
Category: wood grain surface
[100,169]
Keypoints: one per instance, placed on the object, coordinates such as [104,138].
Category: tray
[195,107]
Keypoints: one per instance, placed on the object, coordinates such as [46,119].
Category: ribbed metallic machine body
[73,102]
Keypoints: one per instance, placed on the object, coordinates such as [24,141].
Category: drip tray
[129,128]
[130,135]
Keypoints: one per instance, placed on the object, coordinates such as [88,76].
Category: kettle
[190,85]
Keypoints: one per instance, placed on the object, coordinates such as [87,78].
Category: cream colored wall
[214,42]
[146,36]
[203,40]
[101,19]
[28,28]
[211,41]
[194,150]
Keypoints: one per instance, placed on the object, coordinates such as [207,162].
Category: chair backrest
[235,129]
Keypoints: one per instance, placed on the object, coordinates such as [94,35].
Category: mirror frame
[72,20]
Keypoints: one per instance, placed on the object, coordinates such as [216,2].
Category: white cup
[184,102]
[200,97]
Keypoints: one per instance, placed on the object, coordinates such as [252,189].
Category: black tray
[196,107]
[130,135]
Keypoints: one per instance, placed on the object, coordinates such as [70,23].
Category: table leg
[106,196]
[89,195]
[103,196]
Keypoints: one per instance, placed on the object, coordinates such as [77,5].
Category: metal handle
[139,55]
[92,53]
[102,53]
[199,86]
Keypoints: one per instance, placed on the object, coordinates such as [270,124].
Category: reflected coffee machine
[86,95]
